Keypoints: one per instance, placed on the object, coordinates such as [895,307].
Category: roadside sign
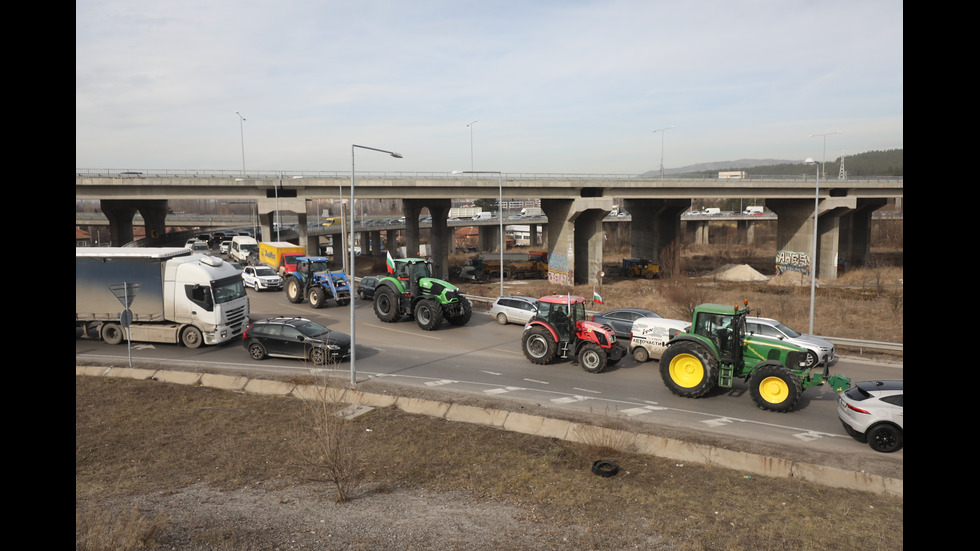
[125,292]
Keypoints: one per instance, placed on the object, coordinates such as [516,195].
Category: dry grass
[143,438]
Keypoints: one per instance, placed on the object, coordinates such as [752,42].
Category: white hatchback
[261,278]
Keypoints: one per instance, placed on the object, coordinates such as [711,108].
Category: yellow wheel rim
[686,371]
[773,390]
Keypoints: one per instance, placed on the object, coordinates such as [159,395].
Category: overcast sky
[573,86]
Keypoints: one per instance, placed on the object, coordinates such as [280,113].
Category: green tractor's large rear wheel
[775,388]
[386,304]
[689,369]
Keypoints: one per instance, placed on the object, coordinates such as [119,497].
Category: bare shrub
[684,293]
[330,453]
[102,530]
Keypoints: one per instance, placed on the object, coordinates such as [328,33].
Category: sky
[554,86]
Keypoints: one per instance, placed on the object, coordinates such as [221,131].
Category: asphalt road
[485,358]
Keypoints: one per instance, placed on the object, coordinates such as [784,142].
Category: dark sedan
[295,338]
[621,319]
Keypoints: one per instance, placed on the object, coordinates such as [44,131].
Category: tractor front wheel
[386,304]
[775,388]
[428,314]
[688,369]
[592,358]
[318,297]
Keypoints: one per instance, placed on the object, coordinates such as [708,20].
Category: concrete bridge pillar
[795,230]
[656,225]
[439,236]
[575,238]
[855,233]
[120,213]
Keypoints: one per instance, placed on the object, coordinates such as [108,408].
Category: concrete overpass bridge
[575,206]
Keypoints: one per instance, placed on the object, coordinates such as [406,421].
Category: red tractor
[562,329]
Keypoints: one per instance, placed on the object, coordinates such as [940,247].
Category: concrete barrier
[628,441]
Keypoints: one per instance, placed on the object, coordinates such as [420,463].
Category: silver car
[873,412]
[514,309]
[819,351]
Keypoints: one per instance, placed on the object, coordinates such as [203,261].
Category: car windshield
[264,271]
[789,332]
[312,329]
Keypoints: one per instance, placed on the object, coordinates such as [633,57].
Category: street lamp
[824,165]
[241,129]
[813,259]
[470,126]
[662,130]
[353,370]
[500,214]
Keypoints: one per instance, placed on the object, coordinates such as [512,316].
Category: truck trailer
[174,296]
[281,256]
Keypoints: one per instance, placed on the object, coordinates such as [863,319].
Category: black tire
[775,388]
[191,337]
[689,369]
[592,357]
[462,313]
[362,295]
[885,438]
[539,346]
[428,314]
[256,351]
[811,359]
[318,297]
[386,304]
[343,301]
[640,354]
[605,468]
[111,333]
[502,318]
[318,356]
[294,291]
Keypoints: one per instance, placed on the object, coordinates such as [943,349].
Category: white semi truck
[173,296]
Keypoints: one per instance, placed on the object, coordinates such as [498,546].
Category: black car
[295,338]
[366,286]
[621,319]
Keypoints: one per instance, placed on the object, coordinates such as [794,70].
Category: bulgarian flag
[391,263]
[596,298]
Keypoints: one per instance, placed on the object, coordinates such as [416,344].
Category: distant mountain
[718,165]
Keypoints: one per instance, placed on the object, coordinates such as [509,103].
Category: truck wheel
[428,314]
[592,357]
[385,305]
[461,313]
[191,337]
[688,369]
[775,388]
[294,291]
[640,354]
[317,297]
[256,351]
[885,438]
[539,346]
[112,333]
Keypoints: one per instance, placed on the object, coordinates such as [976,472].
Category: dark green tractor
[715,350]
[411,291]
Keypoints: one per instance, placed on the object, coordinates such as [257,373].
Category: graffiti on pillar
[560,270]
[792,261]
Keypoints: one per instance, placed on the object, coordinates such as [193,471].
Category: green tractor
[411,290]
[715,350]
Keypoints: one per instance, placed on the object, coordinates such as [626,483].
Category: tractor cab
[725,327]
[563,313]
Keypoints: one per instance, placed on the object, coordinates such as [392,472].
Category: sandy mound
[790,279]
[737,272]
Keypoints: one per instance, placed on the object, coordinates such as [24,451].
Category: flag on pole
[391,263]
[596,298]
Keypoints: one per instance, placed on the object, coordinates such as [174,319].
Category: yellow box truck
[280,256]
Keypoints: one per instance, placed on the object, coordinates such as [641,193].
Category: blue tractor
[314,280]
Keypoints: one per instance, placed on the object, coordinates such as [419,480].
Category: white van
[650,335]
[241,247]
[483,216]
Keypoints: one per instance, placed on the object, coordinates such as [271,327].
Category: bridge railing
[293,174]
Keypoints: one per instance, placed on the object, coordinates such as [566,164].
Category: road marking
[411,333]
[719,422]
[536,381]
[491,373]
[440,382]
[587,390]
[570,399]
[502,390]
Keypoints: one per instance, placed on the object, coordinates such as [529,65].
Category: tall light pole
[241,130]
[813,259]
[662,130]
[470,126]
[823,168]
[500,214]
[353,370]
